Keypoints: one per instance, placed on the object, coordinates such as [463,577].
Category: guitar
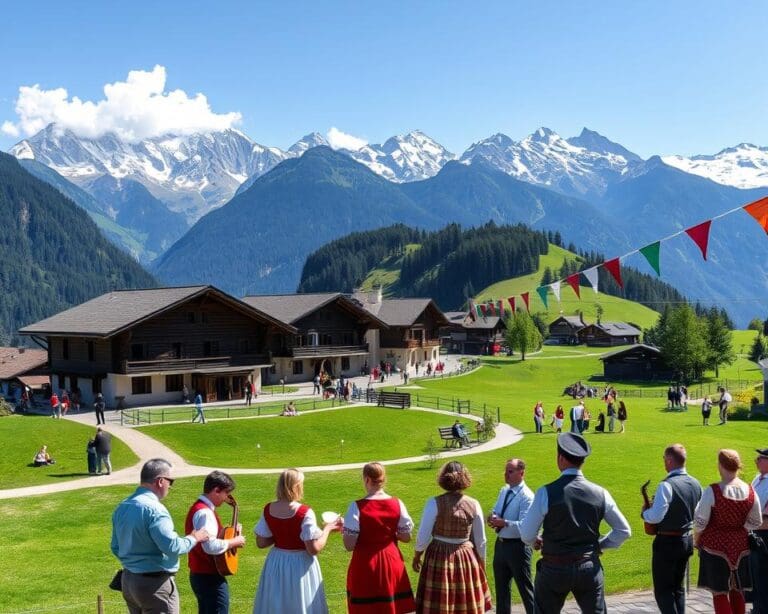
[650,529]
[226,563]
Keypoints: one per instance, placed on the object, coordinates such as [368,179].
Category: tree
[719,340]
[759,349]
[683,343]
[600,311]
[755,324]
[522,333]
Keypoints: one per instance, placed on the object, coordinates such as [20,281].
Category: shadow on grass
[76,474]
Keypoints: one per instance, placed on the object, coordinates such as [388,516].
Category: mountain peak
[308,141]
[596,142]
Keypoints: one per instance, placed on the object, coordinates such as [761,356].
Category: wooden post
[99,604]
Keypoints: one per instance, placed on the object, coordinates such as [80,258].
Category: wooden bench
[394,399]
[446,434]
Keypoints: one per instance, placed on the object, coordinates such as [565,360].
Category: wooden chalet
[609,334]
[411,335]
[20,367]
[638,362]
[330,334]
[565,330]
[466,334]
[142,347]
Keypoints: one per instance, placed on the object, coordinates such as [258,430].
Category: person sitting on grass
[43,458]
[290,410]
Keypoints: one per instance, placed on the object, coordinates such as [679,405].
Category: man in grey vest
[758,557]
[672,512]
[570,510]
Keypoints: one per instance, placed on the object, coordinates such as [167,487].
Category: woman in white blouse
[726,512]
[452,540]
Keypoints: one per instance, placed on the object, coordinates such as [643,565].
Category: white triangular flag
[591,275]
[555,285]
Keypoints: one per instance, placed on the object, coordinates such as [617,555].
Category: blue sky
[658,77]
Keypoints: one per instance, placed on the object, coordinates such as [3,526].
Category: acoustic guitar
[650,529]
[226,563]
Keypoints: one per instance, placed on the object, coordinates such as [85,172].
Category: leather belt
[568,559]
[156,574]
[673,533]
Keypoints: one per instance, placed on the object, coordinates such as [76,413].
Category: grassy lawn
[309,439]
[70,531]
[22,436]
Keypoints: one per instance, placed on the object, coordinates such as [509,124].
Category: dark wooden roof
[290,308]
[114,312]
[405,311]
[574,321]
[638,347]
[16,361]
[617,329]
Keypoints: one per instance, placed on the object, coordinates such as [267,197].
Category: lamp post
[282,383]
[341,450]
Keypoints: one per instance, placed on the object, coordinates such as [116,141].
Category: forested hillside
[452,264]
[52,255]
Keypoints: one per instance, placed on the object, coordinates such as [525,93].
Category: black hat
[763,452]
[574,445]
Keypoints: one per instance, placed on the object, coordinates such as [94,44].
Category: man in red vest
[211,588]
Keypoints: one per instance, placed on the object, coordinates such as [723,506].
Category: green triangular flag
[651,253]
[543,294]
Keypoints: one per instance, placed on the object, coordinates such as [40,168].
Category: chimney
[21,350]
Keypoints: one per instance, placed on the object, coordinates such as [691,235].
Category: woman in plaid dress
[452,540]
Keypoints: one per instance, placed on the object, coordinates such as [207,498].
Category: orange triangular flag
[759,211]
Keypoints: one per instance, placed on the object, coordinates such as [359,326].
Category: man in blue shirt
[144,540]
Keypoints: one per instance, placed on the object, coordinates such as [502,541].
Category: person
[559,418]
[248,393]
[600,427]
[43,457]
[146,544]
[670,397]
[64,396]
[683,398]
[570,510]
[512,557]
[185,394]
[726,511]
[290,409]
[577,417]
[460,433]
[706,410]
[451,540]
[758,557]
[199,409]
[377,580]
[586,419]
[291,580]
[55,406]
[672,513]
[98,407]
[90,450]
[209,586]
[316,384]
[103,442]
[538,417]
[622,416]
[405,376]
[610,410]
[723,402]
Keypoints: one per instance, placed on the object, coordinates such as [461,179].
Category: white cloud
[134,109]
[10,129]
[341,140]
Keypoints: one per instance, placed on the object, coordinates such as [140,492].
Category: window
[312,339]
[141,385]
[191,317]
[176,350]
[174,383]
[326,339]
[345,363]
[138,351]
[91,353]
[298,367]
[204,317]
[210,348]
[65,349]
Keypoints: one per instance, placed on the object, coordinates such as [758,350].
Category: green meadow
[66,536]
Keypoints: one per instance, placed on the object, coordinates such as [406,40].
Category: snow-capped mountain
[191,174]
[409,157]
[583,165]
[744,166]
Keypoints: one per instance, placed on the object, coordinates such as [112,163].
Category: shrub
[743,412]
[5,408]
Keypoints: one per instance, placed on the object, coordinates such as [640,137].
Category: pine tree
[758,350]
[683,343]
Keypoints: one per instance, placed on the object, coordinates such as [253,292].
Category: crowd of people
[581,418]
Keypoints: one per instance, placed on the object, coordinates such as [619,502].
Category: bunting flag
[652,253]
[482,309]
[700,236]
[511,300]
[501,309]
[542,290]
[472,310]
[573,281]
[759,211]
[591,275]
[491,310]
[555,285]
[614,268]
[525,297]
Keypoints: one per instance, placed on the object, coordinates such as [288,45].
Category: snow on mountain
[313,139]
[581,166]
[744,166]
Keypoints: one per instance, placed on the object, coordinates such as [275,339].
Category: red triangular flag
[482,310]
[614,269]
[525,300]
[573,281]
[759,211]
[491,308]
[700,236]
[511,300]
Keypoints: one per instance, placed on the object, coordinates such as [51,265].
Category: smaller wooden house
[609,334]
[638,362]
[565,330]
[467,335]
[21,367]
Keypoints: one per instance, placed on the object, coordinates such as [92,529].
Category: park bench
[394,399]
[446,434]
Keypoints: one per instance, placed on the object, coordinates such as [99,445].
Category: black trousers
[670,556]
[584,579]
[512,561]
[758,564]
[212,592]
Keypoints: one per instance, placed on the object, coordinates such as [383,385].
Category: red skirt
[452,580]
[377,582]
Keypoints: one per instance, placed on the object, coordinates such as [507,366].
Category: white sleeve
[352,519]
[755,517]
[478,532]
[309,528]
[703,510]
[428,517]
[262,528]
[204,519]
[405,524]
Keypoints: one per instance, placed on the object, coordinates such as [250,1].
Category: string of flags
[699,234]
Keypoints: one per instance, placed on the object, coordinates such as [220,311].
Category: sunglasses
[169,480]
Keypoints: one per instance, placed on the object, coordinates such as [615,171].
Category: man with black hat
[758,558]
[570,510]
[672,512]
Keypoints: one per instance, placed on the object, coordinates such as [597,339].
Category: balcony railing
[412,343]
[193,364]
[312,351]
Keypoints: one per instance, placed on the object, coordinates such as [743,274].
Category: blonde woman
[291,580]
[377,582]
[728,509]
